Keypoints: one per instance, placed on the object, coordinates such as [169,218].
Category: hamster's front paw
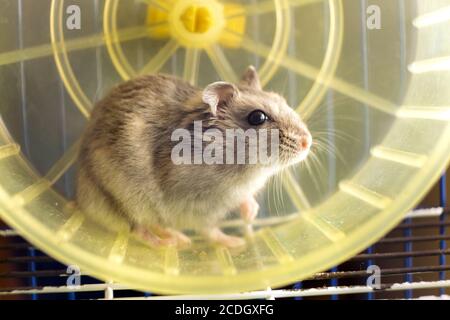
[249,209]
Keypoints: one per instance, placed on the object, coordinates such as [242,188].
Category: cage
[369,77]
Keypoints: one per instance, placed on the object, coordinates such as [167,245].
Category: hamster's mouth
[293,158]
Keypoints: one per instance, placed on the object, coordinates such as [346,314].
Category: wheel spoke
[297,195]
[191,65]
[81,43]
[221,64]
[162,4]
[160,59]
[430,19]
[63,164]
[312,73]
[53,175]
[269,6]
[430,65]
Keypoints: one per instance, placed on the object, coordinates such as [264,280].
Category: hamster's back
[117,148]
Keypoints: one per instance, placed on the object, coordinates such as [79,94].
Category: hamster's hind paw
[217,236]
[249,209]
[153,239]
[178,237]
[158,236]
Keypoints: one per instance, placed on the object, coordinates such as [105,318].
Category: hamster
[126,174]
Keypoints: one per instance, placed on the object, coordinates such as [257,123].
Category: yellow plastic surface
[379,97]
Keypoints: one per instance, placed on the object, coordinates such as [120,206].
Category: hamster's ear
[251,79]
[219,94]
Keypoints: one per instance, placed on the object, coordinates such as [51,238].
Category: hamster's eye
[257,118]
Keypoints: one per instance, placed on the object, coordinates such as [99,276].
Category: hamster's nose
[305,142]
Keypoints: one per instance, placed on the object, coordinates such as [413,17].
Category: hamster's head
[246,106]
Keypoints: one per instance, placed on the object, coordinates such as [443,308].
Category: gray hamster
[127,177]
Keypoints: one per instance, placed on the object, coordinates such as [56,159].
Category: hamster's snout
[295,145]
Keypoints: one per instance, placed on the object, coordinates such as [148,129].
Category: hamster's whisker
[275,192]
[328,135]
[335,133]
[323,121]
[278,192]
[271,194]
[311,173]
[317,167]
[315,158]
[279,188]
[328,148]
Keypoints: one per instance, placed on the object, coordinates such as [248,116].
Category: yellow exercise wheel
[372,81]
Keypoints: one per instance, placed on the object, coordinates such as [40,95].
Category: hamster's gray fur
[126,177]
